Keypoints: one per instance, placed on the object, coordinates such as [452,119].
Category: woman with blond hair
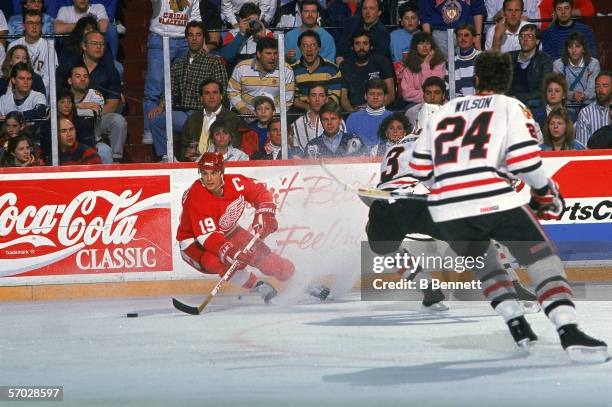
[554,95]
[559,133]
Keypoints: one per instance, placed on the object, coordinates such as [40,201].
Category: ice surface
[241,353]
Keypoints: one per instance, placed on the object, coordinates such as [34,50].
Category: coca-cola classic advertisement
[85,226]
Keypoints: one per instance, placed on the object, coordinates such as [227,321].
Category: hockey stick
[369,194]
[228,274]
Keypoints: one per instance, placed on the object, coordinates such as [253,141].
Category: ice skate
[580,347]
[522,333]
[433,301]
[266,291]
[318,291]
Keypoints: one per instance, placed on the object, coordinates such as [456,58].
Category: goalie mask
[427,110]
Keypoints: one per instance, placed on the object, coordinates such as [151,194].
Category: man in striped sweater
[471,149]
[71,151]
[260,75]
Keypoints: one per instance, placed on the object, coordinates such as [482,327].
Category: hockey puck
[132,315]
[240,297]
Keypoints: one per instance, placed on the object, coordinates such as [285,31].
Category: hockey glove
[264,221]
[228,253]
[547,202]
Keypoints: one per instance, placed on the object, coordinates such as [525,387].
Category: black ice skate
[581,347]
[266,291]
[522,333]
[318,291]
[433,301]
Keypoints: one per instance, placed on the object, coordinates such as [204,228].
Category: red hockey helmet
[211,161]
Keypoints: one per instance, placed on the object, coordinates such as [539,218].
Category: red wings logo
[233,212]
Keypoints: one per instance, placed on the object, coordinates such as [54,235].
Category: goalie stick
[369,194]
[228,274]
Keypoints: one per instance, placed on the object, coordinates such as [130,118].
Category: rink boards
[102,225]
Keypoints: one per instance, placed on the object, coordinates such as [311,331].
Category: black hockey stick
[369,194]
[228,274]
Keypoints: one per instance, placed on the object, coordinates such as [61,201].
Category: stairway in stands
[134,45]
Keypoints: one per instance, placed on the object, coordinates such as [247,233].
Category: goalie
[211,240]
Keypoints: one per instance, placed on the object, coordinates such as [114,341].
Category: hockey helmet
[211,161]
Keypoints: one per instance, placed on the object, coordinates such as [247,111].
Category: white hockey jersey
[469,147]
[394,169]
[172,16]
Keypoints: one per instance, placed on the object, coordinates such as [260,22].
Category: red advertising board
[85,226]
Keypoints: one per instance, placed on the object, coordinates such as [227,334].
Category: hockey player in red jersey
[209,235]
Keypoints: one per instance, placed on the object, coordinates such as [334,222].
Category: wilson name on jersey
[469,148]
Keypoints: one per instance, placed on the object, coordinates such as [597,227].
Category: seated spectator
[254,77]
[313,68]
[391,131]
[560,10]
[221,136]
[530,66]
[186,74]
[559,132]
[596,115]
[554,38]
[38,47]
[402,37]
[368,19]
[364,123]
[15,23]
[272,148]
[21,97]
[308,126]
[19,153]
[361,67]
[72,49]
[504,36]
[14,124]
[104,78]
[16,54]
[334,142]
[579,68]
[240,43]
[71,152]
[602,138]
[231,8]
[464,61]
[264,111]
[530,10]
[195,137]
[68,16]
[434,94]
[310,17]
[424,60]
[554,93]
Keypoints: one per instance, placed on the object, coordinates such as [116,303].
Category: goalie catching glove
[547,202]
[228,253]
[264,221]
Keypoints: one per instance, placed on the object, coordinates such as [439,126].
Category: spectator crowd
[352,87]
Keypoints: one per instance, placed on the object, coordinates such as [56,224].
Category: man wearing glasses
[530,65]
[38,48]
[103,77]
[15,23]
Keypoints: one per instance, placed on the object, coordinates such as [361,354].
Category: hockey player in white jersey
[465,150]
[390,222]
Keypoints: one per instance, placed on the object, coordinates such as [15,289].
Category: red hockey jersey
[207,218]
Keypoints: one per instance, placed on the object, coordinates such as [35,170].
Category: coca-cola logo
[103,227]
